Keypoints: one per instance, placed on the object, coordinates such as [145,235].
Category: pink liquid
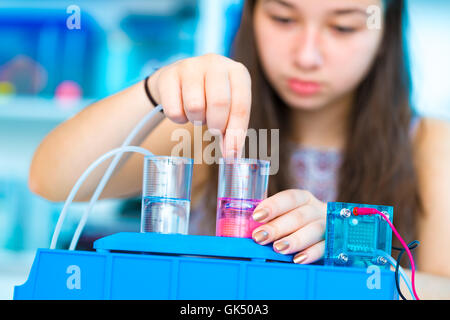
[234,217]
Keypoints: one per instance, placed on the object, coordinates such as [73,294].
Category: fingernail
[231,154]
[215,132]
[260,214]
[260,236]
[299,258]
[281,246]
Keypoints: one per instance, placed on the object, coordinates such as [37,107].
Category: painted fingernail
[300,258]
[260,236]
[281,246]
[260,214]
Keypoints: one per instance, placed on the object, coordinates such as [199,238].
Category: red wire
[371,211]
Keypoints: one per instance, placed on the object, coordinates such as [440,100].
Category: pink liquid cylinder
[234,217]
[242,186]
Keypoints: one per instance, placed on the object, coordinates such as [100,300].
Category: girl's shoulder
[430,131]
[431,144]
[431,158]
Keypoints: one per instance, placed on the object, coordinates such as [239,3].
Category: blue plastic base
[157,266]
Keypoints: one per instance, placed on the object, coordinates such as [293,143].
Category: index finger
[281,203]
[241,100]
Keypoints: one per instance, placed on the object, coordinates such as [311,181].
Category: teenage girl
[339,93]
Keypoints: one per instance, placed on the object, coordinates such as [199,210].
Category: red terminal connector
[364,211]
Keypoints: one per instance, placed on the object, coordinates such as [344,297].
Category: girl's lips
[304,88]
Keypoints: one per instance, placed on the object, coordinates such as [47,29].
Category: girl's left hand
[295,221]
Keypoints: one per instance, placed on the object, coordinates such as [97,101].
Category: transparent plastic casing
[352,240]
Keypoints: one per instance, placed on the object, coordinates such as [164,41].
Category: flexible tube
[402,272]
[80,181]
[107,176]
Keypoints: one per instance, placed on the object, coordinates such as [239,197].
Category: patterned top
[315,170]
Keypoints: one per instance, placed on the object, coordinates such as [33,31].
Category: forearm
[428,286]
[71,147]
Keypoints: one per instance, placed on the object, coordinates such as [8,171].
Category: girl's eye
[282,20]
[342,29]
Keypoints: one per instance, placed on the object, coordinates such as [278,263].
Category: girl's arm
[432,158]
[72,146]
[428,286]
[69,149]
[209,89]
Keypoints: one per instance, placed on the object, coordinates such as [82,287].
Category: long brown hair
[377,164]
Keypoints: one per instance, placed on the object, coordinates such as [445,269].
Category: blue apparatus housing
[356,241]
[175,266]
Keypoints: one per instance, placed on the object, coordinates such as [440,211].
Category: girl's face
[315,52]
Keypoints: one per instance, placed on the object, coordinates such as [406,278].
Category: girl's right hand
[210,89]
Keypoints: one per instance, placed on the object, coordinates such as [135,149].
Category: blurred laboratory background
[51,68]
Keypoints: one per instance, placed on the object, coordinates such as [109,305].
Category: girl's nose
[308,54]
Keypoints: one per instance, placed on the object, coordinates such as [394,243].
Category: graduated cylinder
[166,194]
[242,186]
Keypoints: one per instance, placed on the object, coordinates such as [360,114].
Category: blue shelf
[157,266]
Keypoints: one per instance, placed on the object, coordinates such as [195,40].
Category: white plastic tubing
[402,272]
[118,154]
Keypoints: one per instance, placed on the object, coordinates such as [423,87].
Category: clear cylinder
[242,186]
[166,194]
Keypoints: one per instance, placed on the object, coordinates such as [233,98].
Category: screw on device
[342,258]
[345,213]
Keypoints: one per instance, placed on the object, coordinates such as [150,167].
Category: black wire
[149,95]
[412,245]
